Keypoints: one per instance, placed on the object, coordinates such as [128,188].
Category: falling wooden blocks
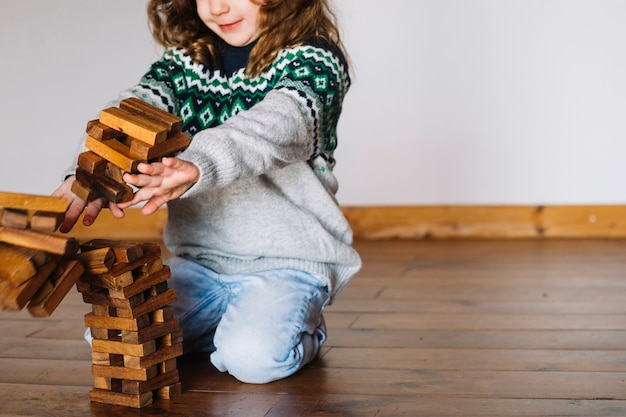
[118,141]
[136,336]
[36,267]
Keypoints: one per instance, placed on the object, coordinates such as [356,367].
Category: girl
[261,245]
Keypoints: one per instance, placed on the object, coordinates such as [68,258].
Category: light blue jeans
[260,327]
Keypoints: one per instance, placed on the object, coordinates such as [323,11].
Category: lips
[230,26]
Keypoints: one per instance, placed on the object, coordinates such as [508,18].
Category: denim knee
[256,362]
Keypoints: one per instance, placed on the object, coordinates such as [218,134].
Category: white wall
[453,102]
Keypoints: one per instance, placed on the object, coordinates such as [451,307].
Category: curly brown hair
[284,24]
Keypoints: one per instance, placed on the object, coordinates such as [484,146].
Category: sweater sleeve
[295,121]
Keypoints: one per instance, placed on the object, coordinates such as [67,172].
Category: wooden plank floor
[430,328]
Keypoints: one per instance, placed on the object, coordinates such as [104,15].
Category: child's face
[235,21]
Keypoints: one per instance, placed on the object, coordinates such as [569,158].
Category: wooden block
[135,386]
[151,332]
[134,126]
[172,145]
[149,305]
[120,348]
[100,131]
[108,281]
[106,359]
[33,202]
[18,297]
[108,384]
[171,339]
[117,323]
[114,152]
[105,187]
[83,191]
[167,366]
[124,251]
[114,172]
[97,261]
[105,334]
[169,392]
[162,314]
[141,108]
[122,399]
[15,218]
[57,245]
[163,354]
[120,372]
[42,221]
[15,265]
[124,307]
[102,311]
[92,163]
[142,284]
[115,279]
[65,275]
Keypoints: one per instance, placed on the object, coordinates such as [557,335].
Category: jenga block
[115,279]
[174,143]
[16,265]
[162,354]
[101,297]
[18,297]
[114,172]
[149,305]
[169,391]
[83,191]
[167,366]
[124,251]
[119,398]
[65,275]
[171,339]
[112,346]
[118,323]
[106,359]
[135,386]
[92,163]
[57,245]
[15,218]
[106,280]
[108,384]
[42,221]
[137,127]
[97,261]
[141,108]
[142,284]
[33,202]
[105,187]
[105,334]
[162,314]
[114,152]
[151,332]
[120,372]
[100,131]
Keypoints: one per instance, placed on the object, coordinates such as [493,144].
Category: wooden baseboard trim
[487,222]
[420,222]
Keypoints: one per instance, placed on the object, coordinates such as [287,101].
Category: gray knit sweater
[264,146]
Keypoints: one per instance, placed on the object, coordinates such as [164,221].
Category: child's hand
[161,182]
[77,206]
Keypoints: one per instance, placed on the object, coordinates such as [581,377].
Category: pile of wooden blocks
[37,266]
[136,338]
[118,141]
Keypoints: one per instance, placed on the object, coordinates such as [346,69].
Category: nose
[218,7]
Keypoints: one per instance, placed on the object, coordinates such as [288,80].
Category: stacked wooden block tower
[118,141]
[136,338]
[37,267]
